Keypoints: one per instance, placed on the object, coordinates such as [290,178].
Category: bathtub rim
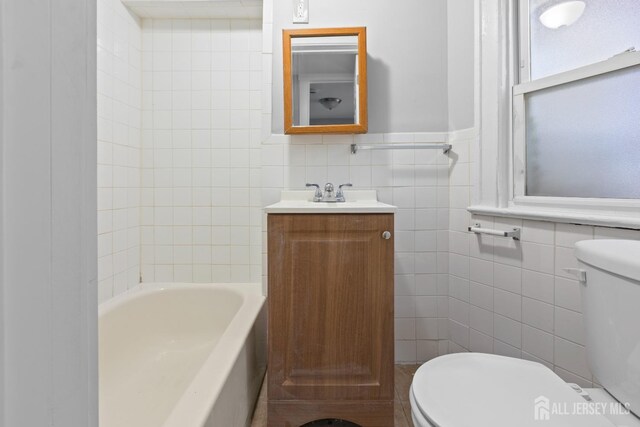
[204,389]
[147,288]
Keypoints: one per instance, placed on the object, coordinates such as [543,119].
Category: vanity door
[330,308]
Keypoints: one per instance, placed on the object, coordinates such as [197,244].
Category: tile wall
[201,150]
[513,298]
[414,180]
[209,163]
[119,118]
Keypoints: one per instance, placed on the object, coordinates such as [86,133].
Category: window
[576,107]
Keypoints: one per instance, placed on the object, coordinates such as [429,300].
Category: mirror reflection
[324,73]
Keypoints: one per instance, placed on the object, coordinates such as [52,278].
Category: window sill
[571,217]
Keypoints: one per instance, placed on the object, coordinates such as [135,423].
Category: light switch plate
[300,11]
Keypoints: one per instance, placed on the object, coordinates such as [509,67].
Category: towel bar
[477,228]
[444,147]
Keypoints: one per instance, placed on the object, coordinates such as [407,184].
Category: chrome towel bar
[444,147]
[477,228]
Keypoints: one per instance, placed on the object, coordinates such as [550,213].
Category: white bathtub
[181,355]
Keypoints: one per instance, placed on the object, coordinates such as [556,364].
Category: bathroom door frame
[48,268]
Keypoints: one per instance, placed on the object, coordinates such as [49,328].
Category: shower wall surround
[200,196]
[119,124]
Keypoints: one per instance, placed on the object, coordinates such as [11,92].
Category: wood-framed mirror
[325,80]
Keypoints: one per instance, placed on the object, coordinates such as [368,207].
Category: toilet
[475,389]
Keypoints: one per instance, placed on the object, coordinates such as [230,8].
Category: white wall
[407,94]
[407,58]
[119,135]
[460,63]
[48,199]
[201,218]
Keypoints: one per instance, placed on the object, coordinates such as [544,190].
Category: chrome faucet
[340,193]
[329,196]
[317,197]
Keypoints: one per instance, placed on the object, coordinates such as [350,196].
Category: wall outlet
[300,11]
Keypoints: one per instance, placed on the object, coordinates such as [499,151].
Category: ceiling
[216,9]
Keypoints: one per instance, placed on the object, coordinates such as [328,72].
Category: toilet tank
[611,309]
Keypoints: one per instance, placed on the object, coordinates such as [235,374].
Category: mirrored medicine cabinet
[325,80]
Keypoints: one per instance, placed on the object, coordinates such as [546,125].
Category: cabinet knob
[386,235]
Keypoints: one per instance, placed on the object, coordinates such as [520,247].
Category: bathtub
[181,355]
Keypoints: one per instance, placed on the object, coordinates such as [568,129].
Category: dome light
[330,103]
[562,14]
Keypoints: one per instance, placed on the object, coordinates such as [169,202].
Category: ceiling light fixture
[562,14]
[330,103]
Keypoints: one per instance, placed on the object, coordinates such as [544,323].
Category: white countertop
[301,201]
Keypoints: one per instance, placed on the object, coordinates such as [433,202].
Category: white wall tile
[405,329]
[544,324]
[480,342]
[538,232]
[459,334]
[427,349]
[567,294]
[459,311]
[199,105]
[538,285]
[507,304]
[568,234]
[119,134]
[616,233]
[507,330]
[406,351]
[564,258]
[537,257]
[482,271]
[569,325]
[481,320]
[481,296]
[537,343]
[571,357]
[538,314]
[504,349]
[427,329]
[507,278]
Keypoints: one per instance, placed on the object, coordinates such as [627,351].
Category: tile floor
[403,377]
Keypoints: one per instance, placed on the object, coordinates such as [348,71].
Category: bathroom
[146,152]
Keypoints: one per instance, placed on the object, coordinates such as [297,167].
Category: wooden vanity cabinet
[331,347]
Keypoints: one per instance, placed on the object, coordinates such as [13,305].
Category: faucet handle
[340,194]
[318,194]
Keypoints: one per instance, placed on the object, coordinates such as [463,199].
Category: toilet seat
[475,389]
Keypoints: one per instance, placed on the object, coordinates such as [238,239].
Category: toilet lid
[467,389]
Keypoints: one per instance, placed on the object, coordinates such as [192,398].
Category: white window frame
[509,81]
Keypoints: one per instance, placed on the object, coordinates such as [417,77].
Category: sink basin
[357,201]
